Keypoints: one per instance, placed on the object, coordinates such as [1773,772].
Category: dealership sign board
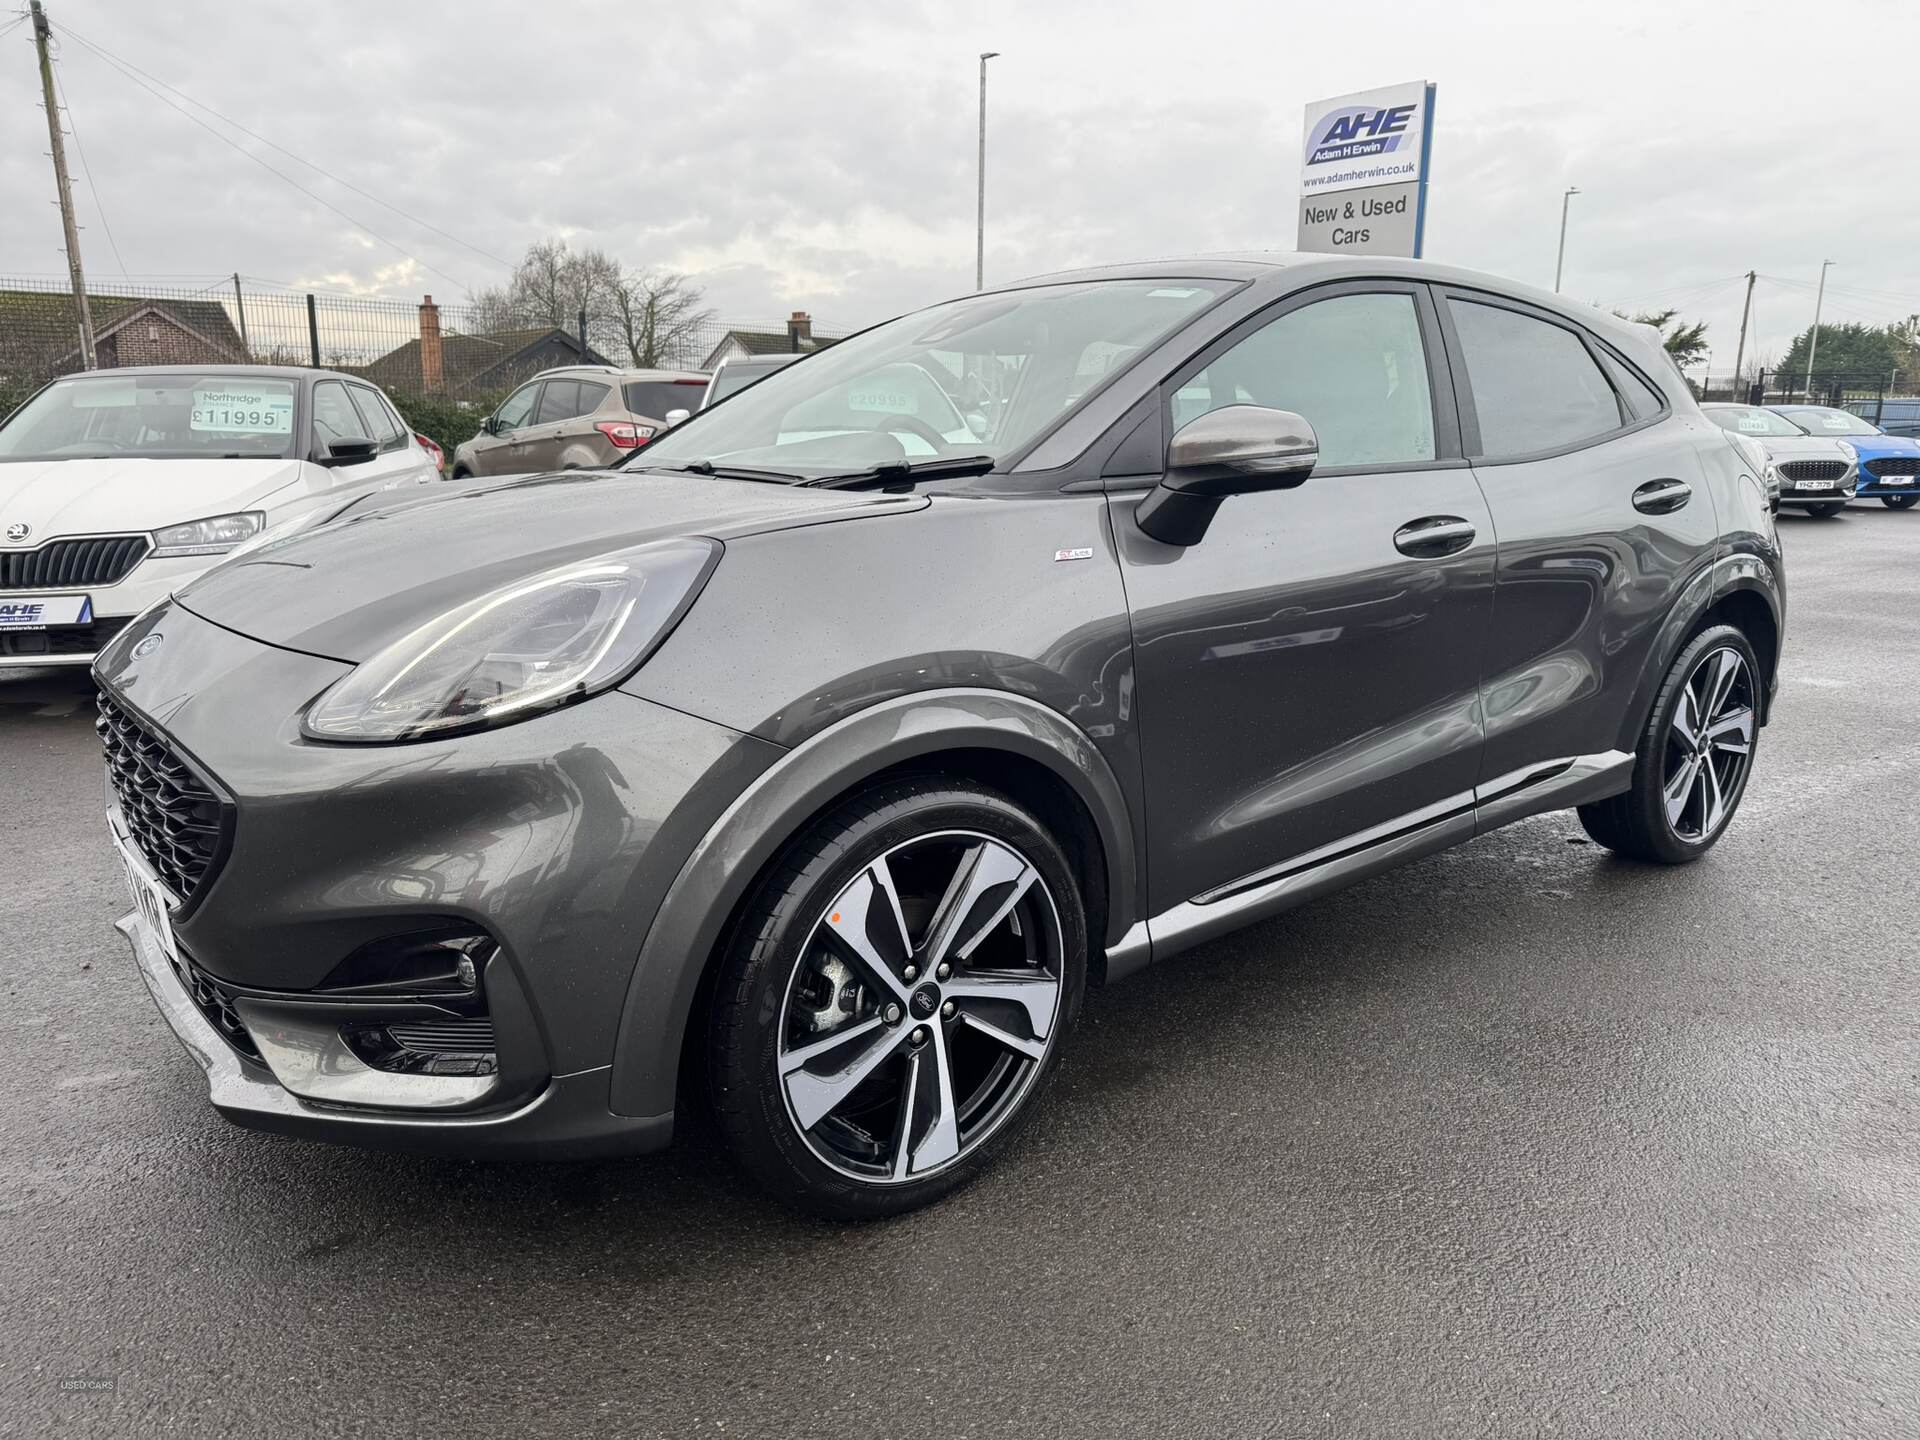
[1363,171]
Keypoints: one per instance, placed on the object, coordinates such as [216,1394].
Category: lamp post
[1813,345]
[980,211]
[1560,260]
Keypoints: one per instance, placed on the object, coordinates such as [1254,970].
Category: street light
[980,213]
[1560,261]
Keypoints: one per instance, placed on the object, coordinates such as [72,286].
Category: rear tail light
[624,433]
[439,455]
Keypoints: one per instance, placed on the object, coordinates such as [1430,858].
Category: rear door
[1308,673]
[1604,515]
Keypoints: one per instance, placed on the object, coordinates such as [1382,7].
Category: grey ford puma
[818,760]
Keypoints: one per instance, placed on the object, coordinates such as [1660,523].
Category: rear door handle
[1433,535]
[1661,497]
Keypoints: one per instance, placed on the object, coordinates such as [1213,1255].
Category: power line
[229,141]
[87,170]
[291,155]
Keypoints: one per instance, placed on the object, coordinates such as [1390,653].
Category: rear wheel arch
[1739,590]
[1009,743]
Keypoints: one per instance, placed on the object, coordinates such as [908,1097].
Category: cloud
[820,156]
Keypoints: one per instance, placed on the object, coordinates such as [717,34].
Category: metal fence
[457,354]
[1866,395]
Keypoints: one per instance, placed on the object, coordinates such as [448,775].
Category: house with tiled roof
[463,365]
[797,339]
[40,334]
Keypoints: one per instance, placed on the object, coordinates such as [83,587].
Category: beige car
[577,418]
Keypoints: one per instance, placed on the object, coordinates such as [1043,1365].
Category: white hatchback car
[119,486]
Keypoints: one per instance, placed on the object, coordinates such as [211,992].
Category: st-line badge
[1080,552]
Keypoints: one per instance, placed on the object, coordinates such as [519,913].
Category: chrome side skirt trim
[1531,790]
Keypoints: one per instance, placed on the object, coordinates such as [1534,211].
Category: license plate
[1813,485]
[42,612]
[150,900]
[1897,480]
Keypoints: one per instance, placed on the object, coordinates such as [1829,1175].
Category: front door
[1309,670]
[497,453]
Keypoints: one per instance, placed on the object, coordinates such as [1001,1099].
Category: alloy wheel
[922,1007]
[1709,746]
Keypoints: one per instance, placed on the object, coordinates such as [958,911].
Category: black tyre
[1899,502]
[1824,512]
[893,997]
[460,472]
[1694,757]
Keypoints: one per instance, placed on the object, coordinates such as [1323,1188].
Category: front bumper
[557,837]
[568,1119]
[1872,489]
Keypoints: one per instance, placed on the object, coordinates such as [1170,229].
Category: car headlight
[206,537]
[520,650]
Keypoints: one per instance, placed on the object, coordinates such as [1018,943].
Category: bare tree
[657,318]
[551,286]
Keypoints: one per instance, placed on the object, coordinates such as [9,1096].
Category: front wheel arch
[990,736]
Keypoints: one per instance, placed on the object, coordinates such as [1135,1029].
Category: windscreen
[981,376]
[154,417]
[1752,420]
[654,398]
[1823,420]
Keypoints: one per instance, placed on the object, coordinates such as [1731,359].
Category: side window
[592,392]
[379,419]
[334,417]
[516,408]
[1642,402]
[1354,366]
[1535,384]
[559,401]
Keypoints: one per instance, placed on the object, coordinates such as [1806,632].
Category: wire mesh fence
[445,364]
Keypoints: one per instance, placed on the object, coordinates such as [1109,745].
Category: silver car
[1816,473]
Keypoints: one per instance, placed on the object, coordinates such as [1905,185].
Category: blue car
[1889,464]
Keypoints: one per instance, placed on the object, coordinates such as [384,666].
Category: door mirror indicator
[348,450]
[1235,450]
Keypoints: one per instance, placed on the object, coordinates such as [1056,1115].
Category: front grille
[1880,469]
[1829,470]
[169,809]
[214,1003]
[63,564]
[68,640]
[445,1037]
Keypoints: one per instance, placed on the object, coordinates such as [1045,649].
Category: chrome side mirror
[1235,450]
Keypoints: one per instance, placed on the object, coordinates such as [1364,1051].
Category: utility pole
[1560,261]
[41,32]
[1813,345]
[1746,314]
[980,212]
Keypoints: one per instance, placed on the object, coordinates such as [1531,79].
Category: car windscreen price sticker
[243,409]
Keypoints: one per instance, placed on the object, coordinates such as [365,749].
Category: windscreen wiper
[728,472]
[896,470]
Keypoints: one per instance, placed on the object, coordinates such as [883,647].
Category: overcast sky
[821,156]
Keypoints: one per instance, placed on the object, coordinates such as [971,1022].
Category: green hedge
[445,421]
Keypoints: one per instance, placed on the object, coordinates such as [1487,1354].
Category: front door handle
[1661,497]
[1433,535]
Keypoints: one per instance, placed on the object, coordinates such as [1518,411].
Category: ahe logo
[1356,133]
